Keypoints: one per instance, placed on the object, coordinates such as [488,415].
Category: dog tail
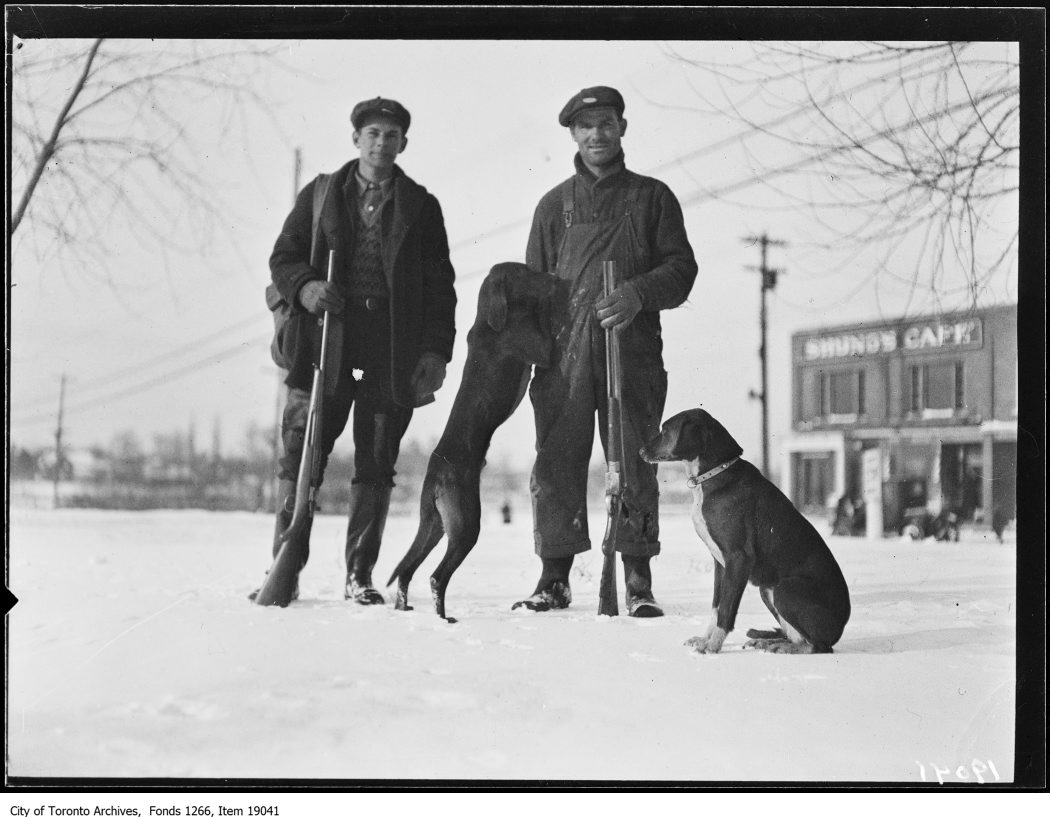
[427,537]
[400,569]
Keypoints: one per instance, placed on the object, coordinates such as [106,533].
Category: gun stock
[279,584]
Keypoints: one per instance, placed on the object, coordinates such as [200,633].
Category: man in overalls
[604,212]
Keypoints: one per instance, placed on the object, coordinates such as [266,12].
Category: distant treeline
[173,473]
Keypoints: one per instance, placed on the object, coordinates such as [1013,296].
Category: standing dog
[510,335]
[756,534]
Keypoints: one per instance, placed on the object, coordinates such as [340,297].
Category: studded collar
[695,479]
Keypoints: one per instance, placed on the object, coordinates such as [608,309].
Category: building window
[842,398]
[937,389]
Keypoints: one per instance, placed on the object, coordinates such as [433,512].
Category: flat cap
[380,107]
[597,97]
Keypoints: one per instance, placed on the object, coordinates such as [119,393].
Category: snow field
[133,652]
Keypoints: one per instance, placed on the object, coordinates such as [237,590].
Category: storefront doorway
[814,480]
[962,473]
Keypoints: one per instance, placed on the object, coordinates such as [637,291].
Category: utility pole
[58,437]
[769,282]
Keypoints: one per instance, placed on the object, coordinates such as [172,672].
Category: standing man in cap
[393,304]
[604,212]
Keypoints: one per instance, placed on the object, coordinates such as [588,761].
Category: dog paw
[780,645]
[707,643]
[697,642]
[765,644]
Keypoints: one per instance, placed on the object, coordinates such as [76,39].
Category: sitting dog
[510,335]
[756,534]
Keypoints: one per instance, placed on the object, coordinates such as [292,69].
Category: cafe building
[905,414]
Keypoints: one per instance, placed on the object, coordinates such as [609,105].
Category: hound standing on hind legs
[511,334]
[754,533]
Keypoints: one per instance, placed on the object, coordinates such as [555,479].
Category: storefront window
[937,389]
[842,395]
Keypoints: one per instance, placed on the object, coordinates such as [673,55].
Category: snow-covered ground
[133,652]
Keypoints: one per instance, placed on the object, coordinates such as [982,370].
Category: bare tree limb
[901,152]
[47,149]
[123,160]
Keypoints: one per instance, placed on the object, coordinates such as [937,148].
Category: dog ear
[718,442]
[492,300]
[689,440]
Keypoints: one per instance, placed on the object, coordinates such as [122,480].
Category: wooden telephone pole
[58,437]
[769,282]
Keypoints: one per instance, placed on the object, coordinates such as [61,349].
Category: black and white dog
[754,533]
[510,335]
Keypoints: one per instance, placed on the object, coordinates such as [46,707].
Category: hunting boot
[552,591]
[364,533]
[639,580]
[285,502]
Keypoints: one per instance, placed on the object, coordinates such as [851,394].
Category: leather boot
[552,591]
[639,580]
[285,502]
[369,505]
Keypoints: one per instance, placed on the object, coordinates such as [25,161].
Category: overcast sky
[159,351]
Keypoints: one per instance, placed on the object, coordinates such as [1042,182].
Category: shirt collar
[362,183]
[618,167]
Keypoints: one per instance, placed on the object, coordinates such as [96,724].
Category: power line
[139,368]
[160,380]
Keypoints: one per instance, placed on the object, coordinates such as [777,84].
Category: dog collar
[693,481]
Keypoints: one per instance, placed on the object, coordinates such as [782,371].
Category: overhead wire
[162,379]
[687,202]
[136,369]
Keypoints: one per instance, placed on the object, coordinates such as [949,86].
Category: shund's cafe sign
[916,337]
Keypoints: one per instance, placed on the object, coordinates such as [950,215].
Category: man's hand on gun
[618,309]
[318,297]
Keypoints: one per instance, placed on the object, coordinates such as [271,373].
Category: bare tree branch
[904,151]
[47,149]
[122,150]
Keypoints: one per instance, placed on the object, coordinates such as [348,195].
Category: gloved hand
[428,376]
[318,297]
[619,307]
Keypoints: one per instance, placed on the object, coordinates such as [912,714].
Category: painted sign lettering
[910,337]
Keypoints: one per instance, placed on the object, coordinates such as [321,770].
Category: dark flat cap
[380,107]
[597,97]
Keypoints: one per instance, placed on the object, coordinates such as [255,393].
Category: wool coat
[419,275]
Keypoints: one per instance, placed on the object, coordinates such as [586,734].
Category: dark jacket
[658,223]
[419,275]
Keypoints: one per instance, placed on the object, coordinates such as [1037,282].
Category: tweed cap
[380,107]
[597,97]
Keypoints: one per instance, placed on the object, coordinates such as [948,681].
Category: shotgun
[280,580]
[614,481]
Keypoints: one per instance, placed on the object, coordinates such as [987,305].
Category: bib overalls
[566,396]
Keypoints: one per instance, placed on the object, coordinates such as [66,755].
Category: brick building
[934,400]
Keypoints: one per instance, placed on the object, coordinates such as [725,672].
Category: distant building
[933,399]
